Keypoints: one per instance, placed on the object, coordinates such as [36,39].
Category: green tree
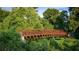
[3,14]
[23,18]
[51,15]
[62,20]
[74,11]
[56,18]
[74,20]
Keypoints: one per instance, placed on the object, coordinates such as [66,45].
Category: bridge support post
[22,38]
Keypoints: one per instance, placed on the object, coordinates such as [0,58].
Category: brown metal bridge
[29,34]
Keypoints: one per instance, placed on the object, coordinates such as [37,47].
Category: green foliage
[10,41]
[52,44]
[74,18]
[22,18]
[76,34]
[77,46]
[58,19]
[46,24]
[51,15]
[74,11]
[64,44]
[73,25]
[62,21]
[50,12]
[38,45]
[3,14]
[70,44]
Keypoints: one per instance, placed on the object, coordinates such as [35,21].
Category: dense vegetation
[20,18]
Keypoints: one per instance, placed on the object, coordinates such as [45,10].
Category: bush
[53,44]
[70,44]
[64,44]
[10,41]
[38,45]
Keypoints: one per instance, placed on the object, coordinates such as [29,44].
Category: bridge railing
[29,34]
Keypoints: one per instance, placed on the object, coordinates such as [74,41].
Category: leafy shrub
[66,44]
[38,45]
[10,41]
[52,44]
[70,44]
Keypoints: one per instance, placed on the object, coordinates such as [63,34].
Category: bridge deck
[28,34]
